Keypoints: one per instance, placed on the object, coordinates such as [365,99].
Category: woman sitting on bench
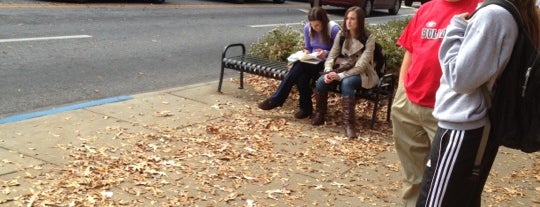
[319,35]
[355,44]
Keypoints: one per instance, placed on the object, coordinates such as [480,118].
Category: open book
[303,57]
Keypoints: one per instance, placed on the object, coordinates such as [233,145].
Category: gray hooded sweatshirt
[473,53]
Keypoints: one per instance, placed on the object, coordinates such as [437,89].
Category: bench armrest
[226,49]
[388,80]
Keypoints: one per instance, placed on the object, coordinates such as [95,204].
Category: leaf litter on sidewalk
[247,158]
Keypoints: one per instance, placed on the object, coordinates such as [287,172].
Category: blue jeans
[347,86]
[300,75]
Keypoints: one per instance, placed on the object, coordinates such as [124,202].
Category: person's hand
[327,78]
[464,16]
[321,54]
[330,77]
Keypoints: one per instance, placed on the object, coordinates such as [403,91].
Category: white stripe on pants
[444,169]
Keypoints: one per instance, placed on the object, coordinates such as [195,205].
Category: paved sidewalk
[192,146]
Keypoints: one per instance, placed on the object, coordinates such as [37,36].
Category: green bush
[278,44]
[387,35]
[282,41]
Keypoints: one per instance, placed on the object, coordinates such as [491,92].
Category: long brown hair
[362,32]
[319,14]
[530,18]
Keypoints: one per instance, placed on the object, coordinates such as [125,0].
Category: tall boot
[321,106]
[348,115]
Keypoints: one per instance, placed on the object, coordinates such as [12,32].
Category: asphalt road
[55,53]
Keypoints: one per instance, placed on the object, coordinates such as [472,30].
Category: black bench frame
[278,70]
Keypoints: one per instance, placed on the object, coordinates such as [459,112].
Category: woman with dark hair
[356,44]
[474,52]
[319,35]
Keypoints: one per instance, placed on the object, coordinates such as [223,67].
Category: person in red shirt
[413,124]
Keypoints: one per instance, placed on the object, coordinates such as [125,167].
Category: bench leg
[389,108]
[221,79]
[241,80]
[374,114]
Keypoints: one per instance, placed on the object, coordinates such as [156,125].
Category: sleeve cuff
[341,76]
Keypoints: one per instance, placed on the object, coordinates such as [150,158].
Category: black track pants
[448,179]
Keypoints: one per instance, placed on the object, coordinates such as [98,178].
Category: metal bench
[245,63]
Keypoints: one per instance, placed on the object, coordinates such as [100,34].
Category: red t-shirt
[422,37]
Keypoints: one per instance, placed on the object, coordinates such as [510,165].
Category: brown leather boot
[348,116]
[321,106]
[268,105]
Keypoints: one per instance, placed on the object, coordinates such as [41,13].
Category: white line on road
[44,38]
[283,24]
[274,25]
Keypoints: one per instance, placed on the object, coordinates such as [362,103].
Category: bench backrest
[380,60]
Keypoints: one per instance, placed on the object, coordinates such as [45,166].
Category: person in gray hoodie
[473,53]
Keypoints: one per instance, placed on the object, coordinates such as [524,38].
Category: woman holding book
[356,44]
[319,35]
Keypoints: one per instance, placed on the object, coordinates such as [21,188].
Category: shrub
[387,35]
[282,41]
[278,44]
